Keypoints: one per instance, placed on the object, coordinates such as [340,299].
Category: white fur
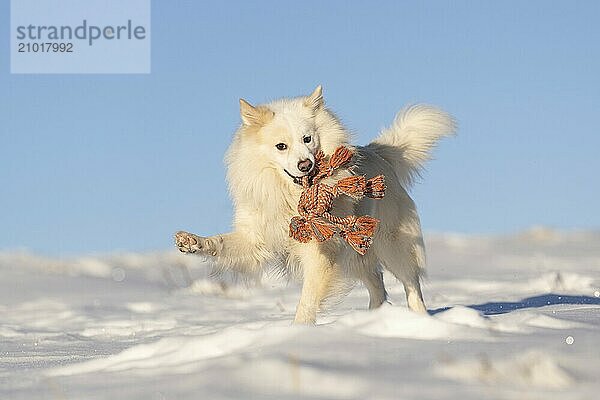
[265,199]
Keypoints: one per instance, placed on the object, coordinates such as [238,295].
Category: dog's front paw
[189,243]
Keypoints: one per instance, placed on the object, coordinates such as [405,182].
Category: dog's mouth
[297,179]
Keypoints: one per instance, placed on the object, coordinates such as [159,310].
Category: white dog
[276,143]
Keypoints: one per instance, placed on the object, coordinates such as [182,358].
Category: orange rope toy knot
[316,201]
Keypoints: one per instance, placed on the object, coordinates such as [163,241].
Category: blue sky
[94,163]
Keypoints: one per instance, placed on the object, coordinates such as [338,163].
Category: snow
[511,317]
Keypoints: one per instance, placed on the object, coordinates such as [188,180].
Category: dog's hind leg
[320,276]
[404,259]
[373,280]
[414,297]
[366,269]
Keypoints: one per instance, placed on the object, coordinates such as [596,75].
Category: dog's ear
[254,116]
[249,113]
[315,100]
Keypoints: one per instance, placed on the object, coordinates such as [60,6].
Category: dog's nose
[305,165]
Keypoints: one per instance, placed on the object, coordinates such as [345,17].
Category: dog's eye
[307,139]
[281,146]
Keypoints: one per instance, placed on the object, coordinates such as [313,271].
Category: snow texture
[511,317]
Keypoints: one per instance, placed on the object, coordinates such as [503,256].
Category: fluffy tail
[407,144]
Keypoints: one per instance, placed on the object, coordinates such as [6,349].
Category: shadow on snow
[550,299]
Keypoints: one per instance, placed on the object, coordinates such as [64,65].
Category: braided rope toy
[316,201]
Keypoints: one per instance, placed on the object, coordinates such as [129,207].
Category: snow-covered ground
[511,317]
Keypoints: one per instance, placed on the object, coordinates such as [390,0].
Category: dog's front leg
[320,275]
[235,250]
[190,243]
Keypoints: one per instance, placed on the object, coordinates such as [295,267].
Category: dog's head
[284,133]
